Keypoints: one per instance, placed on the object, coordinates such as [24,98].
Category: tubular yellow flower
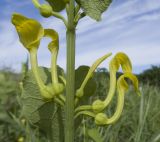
[29,30]
[122,87]
[54,47]
[119,60]
[30,33]
[122,60]
[54,44]
[46,91]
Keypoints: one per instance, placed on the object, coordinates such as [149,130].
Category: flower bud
[47,92]
[79,93]
[58,88]
[46,10]
[101,119]
[98,106]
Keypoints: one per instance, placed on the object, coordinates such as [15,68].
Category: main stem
[70,84]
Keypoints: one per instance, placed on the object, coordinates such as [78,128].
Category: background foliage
[139,122]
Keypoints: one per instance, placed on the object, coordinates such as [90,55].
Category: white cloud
[130,27]
[11,51]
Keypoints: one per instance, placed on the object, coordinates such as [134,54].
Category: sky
[129,26]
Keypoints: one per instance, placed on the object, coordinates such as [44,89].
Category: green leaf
[94,8]
[46,115]
[57,5]
[90,87]
[94,135]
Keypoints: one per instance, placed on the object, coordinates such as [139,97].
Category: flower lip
[29,30]
[21,18]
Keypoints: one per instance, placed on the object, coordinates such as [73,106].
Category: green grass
[140,121]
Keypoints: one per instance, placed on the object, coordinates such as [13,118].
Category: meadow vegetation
[139,122]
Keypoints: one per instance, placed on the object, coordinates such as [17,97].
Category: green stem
[59,16]
[88,113]
[45,90]
[36,3]
[62,97]
[77,8]
[58,101]
[84,107]
[84,130]
[78,17]
[70,84]
[54,66]
[55,14]
[34,67]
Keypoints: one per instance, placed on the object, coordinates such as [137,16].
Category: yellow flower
[29,30]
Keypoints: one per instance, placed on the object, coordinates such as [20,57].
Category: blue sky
[131,26]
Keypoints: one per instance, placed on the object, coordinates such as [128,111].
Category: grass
[140,121]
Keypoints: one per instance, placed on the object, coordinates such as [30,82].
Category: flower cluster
[96,109]
[30,34]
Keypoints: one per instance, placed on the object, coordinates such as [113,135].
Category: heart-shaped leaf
[94,8]
[46,115]
[57,5]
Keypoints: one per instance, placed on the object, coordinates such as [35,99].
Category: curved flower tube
[122,87]
[119,60]
[46,91]
[79,92]
[88,113]
[54,47]
[25,27]
[30,33]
